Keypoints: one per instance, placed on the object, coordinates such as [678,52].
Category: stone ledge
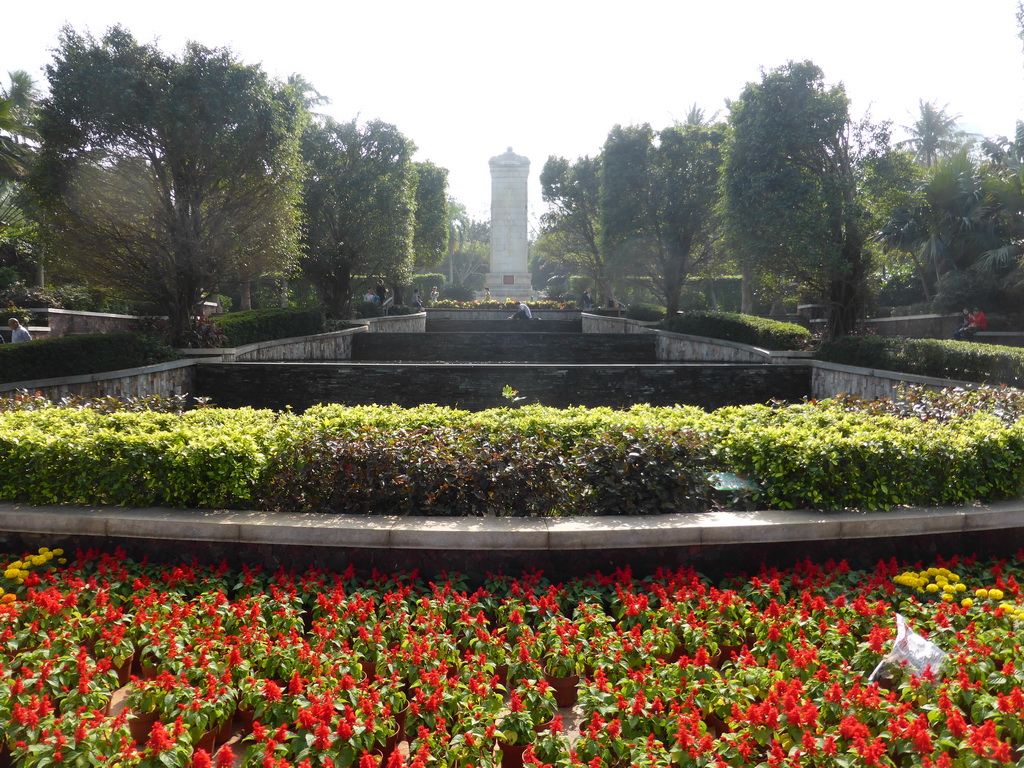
[506,534]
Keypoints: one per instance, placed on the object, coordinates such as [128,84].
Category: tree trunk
[745,294]
[245,299]
[284,293]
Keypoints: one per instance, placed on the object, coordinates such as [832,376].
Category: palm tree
[934,134]
[954,223]
[17,112]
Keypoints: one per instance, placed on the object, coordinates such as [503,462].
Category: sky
[467,79]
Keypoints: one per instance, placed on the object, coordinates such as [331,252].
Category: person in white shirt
[19,333]
[522,313]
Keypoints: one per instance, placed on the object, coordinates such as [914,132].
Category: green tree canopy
[161,175]
[790,188]
[430,239]
[659,200]
[359,204]
[571,228]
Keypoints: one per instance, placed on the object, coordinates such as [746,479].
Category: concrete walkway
[710,529]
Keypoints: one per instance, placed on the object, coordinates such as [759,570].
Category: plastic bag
[912,651]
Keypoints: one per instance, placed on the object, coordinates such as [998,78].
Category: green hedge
[526,461]
[256,325]
[743,329]
[959,360]
[74,355]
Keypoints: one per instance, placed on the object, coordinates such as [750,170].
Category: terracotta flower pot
[140,725]
[511,756]
[208,741]
[564,689]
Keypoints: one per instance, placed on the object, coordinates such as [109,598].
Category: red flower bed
[106,662]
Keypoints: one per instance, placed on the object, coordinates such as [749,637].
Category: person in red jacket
[976,321]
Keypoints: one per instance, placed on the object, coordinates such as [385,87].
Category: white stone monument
[509,277]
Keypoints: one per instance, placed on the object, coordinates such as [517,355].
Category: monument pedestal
[516,285]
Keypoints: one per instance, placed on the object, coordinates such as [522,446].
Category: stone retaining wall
[326,346]
[395,323]
[164,379]
[66,322]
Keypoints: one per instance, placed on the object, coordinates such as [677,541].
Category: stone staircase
[506,347]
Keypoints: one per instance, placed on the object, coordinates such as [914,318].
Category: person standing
[416,299]
[19,333]
[434,296]
[382,291]
[585,301]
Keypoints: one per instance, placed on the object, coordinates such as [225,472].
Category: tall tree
[359,204]
[934,134]
[790,188]
[571,228]
[160,175]
[430,239]
[658,203]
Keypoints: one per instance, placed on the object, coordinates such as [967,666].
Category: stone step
[505,347]
[477,386]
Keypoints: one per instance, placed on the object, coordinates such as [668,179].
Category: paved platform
[709,529]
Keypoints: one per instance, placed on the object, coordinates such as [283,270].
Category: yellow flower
[58,552]
[982,592]
[967,602]
[932,587]
[43,550]
[961,587]
[946,597]
[954,577]
[995,594]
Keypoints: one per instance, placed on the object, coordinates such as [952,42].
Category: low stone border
[711,529]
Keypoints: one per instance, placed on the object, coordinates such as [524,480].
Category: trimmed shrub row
[961,360]
[75,355]
[256,325]
[528,461]
[743,329]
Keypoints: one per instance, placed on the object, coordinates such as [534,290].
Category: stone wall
[478,386]
[326,346]
[831,379]
[65,322]
[395,323]
[608,324]
[164,379]
[505,347]
[916,326]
